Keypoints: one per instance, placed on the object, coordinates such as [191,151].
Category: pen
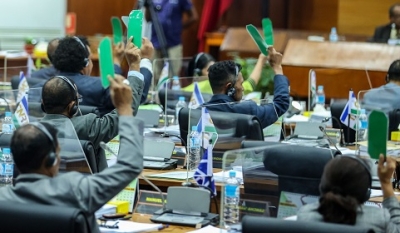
[163,227]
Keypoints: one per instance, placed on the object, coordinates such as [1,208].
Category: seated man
[35,149]
[226,82]
[50,71]
[382,33]
[387,96]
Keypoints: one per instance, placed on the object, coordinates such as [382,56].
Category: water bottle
[6,168]
[7,126]
[333,36]
[363,126]
[231,200]
[194,149]
[176,85]
[181,104]
[321,96]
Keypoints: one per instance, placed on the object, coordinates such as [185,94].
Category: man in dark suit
[382,33]
[226,82]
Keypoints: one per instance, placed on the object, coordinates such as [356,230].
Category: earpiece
[196,70]
[323,188]
[86,60]
[231,91]
[74,110]
[52,156]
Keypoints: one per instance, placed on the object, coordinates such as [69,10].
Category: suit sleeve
[146,69]
[95,190]
[136,82]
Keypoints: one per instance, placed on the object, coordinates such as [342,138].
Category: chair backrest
[173,96]
[253,224]
[31,82]
[394,121]
[35,218]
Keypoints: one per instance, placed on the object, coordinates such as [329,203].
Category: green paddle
[255,35]
[106,61]
[377,134]
[117,29]
[135,27]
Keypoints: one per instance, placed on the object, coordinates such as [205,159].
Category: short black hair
[222,72]
[57,94]
[391,9]
[29,146]
[199,61]
[394,71]
[70,55]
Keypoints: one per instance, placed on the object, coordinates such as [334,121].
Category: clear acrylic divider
[6,74]
[248,164]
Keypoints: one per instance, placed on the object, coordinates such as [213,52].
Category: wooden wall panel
[362,16]
[312,15]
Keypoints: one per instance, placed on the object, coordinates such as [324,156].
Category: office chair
[36,218]
[173,96]
[253,224]
[394,121]
[31,82]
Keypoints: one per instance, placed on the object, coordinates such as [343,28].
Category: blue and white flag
[350,112]
[23,87]
[164,76]
[21,116]
[197,98]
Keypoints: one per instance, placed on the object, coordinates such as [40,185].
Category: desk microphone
[107,148]
[329,139]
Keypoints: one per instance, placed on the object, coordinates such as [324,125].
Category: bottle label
[321,99]
[6,169]
[230,190]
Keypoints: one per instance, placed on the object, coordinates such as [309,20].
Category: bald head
[51,48]
[57,94]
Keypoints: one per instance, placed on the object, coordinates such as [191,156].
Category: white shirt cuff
[136,74]
[146,63]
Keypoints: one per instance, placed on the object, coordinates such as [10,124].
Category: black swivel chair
[31,82]
[35,218]
[173,96]
[253,224]
[394,121]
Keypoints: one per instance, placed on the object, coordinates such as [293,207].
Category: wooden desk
[143,218]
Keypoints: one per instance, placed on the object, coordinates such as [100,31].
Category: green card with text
[106,61]
[377,134]
[268,31]
[255,35]
[135,27]
[117,29]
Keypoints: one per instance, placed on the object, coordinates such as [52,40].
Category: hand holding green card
[117,29]
[106,61]
[377,134]
[135,27]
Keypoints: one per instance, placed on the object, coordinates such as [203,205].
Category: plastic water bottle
[6,168]
[194,149]
[321,96]
[363,124]
[333,36]
[7,126]
[181,104]
[176,85]
[231,200]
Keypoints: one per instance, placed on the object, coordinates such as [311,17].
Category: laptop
[157,154]
[308,130]
[151,118]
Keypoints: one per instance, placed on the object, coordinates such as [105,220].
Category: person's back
[36,155]
[226,81]
[386,97]
[345,187]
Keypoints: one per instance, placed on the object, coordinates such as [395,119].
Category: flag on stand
[350,112]
[204,172]
[21,116]
[23,87]
[197,98]
[163,80]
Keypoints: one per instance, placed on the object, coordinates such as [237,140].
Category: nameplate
[149,202]
[334,134]
[254,208]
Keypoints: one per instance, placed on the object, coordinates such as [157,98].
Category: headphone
[324,189]
[196,70]
[51,156]
[74,110]
[231,91]
[86,60]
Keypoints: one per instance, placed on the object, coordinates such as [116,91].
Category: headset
[86,60]
[75,108]
[231,91]
[51,156]
[196,70]
[324,189]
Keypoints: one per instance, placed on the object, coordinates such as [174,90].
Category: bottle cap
[232,173]
[333,30]
[181,98]
[175,78]
[8,114]
[194,128]
[320,87]
[6,151]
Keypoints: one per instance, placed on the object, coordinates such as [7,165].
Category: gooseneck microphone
[342,139]
[328,138]
[107,148]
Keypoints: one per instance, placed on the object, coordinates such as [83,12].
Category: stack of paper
[393,149]
[106,209]
[130,227]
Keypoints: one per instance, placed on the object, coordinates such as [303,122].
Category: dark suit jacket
[267,114]
[382,34]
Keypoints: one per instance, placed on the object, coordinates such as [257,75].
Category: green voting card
[377,134]
[255,35]
[117,29]
[135,27]
[106,61]
[268,31]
